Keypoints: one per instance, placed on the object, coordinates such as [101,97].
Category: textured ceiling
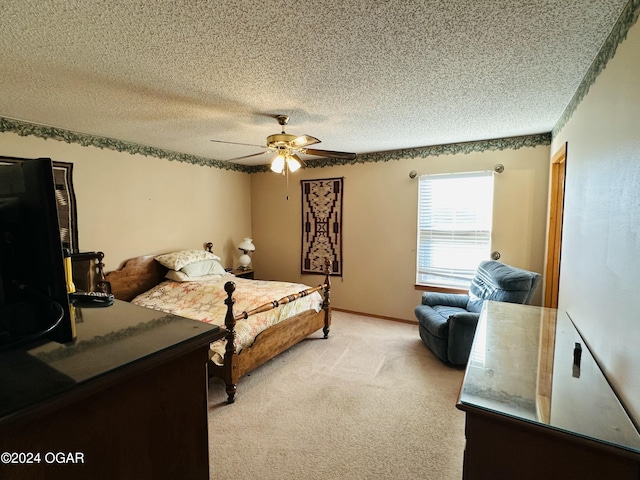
[361,75]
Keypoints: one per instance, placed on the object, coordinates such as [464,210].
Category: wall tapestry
[67,215]
[322,225]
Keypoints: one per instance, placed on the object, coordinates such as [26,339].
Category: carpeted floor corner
[369,402]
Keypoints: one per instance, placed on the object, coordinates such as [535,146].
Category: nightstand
[243,273]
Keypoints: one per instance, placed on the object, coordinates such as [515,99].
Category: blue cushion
[435,319]
[502,283]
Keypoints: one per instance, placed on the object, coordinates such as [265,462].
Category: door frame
[554,236]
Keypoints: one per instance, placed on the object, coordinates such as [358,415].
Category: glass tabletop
[532,364]
[108,339]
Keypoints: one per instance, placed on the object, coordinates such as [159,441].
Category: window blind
[454,227]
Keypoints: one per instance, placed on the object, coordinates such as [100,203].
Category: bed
[262,318]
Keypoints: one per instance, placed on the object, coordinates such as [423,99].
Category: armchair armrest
[462,329]
[464,320]
[459,300]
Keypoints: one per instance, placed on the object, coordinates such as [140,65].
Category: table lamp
[245,247]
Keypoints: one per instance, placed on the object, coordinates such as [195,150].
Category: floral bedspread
[204,301]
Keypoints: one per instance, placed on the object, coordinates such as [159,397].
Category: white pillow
[177,276]
[177,260]
[203,267]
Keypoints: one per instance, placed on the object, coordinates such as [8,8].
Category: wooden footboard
[273,340]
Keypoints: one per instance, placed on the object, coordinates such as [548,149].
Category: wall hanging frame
[322,225]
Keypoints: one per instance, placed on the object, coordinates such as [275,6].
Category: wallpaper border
[509,143]
[627,19]
[24,129]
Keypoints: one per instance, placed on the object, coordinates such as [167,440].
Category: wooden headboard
[135,276]
[88,272]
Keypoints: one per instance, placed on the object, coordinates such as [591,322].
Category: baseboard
[382,317]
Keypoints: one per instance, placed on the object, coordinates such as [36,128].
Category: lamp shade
[293,162]
[286,160]
[277,165]
[247,245]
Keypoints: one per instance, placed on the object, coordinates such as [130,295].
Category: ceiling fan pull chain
[287,175]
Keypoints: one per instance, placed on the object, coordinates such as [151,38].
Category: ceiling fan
[288,147]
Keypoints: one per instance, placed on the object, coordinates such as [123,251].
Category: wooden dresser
[538,406]
[128,399]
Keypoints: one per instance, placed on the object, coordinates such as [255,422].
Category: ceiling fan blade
[303,141]
[328,153]
[236,143]
[245,156]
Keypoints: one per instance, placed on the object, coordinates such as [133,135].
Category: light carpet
[369,402]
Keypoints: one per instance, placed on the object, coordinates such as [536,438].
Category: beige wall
[379,224]
[600,269]
[130,205]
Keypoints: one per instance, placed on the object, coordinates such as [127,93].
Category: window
[454,227]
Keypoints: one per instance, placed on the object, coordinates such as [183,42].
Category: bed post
[230,324]
[326,304]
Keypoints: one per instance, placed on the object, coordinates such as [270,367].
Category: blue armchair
[447,322]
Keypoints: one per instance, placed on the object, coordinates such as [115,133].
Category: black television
[34,303]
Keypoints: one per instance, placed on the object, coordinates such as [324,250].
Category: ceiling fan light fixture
[293,162]
[287,147]
[277,165]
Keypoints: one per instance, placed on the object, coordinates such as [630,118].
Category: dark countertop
[111,341]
